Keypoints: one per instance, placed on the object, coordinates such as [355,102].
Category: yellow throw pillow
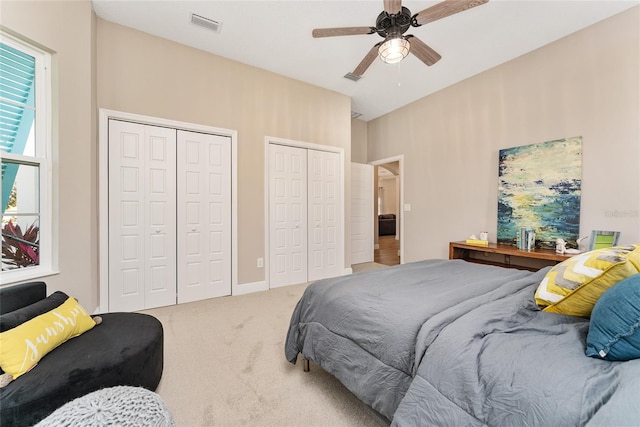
[574,286]
[22,347]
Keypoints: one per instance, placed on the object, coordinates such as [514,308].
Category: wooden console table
[505,255]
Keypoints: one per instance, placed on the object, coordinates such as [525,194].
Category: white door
[204,216]
[361,213]
[324,215]
[287,215]
[142,216]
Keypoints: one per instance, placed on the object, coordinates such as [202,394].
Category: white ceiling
[276,36]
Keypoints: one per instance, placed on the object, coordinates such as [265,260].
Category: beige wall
[389,195]
[99,64]
[358,141]
[586,84]
[143,74]
[66,29]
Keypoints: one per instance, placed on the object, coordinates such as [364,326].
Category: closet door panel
[160,217]
[324,220]
[126,214]
[204,216]
[141,216]
[287,215]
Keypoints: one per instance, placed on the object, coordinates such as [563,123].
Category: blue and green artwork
[540,188]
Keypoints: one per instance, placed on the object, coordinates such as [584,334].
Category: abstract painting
[540,188]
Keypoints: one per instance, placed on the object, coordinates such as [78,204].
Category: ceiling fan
[391,25]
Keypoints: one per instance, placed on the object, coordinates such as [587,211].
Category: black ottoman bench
[126,349]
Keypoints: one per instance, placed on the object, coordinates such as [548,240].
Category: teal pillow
[614,328]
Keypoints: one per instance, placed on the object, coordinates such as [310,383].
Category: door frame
[400,160]
[104,115]
[268,140]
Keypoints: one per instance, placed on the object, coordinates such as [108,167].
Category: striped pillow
[573,286]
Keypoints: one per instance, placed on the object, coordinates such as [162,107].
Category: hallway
[388,252]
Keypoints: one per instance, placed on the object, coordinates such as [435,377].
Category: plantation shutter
[17,109]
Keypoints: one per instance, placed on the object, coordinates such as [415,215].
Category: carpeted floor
[224,365]
[367,266]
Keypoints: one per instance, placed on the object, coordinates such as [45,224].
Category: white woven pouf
[116,406]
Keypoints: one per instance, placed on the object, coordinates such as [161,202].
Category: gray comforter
[363,328]
[507,363]
[452,343]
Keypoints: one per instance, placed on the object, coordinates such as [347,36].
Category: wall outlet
[260,262]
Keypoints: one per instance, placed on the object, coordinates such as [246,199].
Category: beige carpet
[367,266]
[224,365]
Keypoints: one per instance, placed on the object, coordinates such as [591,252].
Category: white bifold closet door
[169,216]
[204,216]
[304,215]
[142,216]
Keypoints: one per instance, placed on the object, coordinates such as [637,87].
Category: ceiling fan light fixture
[394,49]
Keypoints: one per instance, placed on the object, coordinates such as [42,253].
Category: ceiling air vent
[355,115]
[352,76]
[206,22]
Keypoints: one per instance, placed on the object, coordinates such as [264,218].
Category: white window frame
[43,159]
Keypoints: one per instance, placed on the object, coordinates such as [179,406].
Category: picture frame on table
[603,239]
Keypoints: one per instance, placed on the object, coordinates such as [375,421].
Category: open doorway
[388,212]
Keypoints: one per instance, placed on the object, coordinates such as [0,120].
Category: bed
[448,342]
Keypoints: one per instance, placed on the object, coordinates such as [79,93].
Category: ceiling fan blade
[422,51]
[444,9]
[344,31]
[392,7]
[367,61]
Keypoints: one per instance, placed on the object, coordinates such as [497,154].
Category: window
[25,157]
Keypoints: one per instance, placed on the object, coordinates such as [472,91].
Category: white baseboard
[247,288]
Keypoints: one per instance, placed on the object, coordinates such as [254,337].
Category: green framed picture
[603,239]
